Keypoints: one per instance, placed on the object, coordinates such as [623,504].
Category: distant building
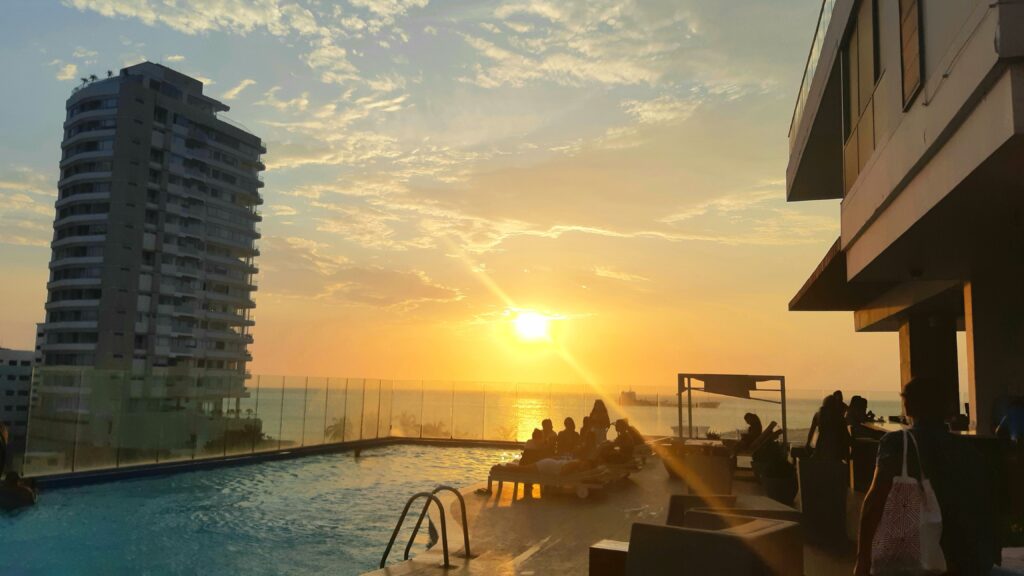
[152,268]
[912,114]
[15,392]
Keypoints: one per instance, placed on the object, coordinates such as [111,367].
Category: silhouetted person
[536,449]
[833,437]
[838,395]
[1011,427]
[588,442]
[568,439]
[15,493]
[754,431]
[550,436]
[957,474]
[599,421]
[620,450]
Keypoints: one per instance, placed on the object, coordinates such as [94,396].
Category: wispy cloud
[612,273]
[175,58]
[237,89]
[65,71]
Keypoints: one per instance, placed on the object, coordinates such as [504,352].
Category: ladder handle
[416,529]
[462,505]
[444,530]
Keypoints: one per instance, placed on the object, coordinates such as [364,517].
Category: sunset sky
[434,169]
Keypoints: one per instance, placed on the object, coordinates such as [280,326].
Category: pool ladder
[430,497]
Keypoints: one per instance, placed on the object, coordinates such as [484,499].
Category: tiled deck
[552,534]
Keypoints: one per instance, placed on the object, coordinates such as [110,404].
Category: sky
[438,167]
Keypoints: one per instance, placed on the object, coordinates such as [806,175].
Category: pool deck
[552,533]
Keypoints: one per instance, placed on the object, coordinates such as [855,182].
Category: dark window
[910,49]
[860,76]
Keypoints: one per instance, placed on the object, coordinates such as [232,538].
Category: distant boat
[629,398]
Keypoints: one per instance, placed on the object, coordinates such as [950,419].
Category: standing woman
[599,421]
[833,435]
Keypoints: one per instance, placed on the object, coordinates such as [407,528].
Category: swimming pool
[327,514]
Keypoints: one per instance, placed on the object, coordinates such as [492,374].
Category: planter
[780,489]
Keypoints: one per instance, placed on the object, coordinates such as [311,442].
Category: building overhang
[815,170]
[829,290]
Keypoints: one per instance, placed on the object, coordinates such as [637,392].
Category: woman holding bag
[918,470]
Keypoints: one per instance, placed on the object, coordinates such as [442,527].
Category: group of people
[571,450]
[836,424]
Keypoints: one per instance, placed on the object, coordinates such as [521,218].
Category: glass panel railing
[371,409]
[817,43]
[386,401]
[334,427]
[314,418]
[437,410]
[354,409]
[406,408]
[246,429]
[499,408]
[293,407]
[268,411]
[468,411]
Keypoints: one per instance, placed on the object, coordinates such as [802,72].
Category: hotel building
[911,114]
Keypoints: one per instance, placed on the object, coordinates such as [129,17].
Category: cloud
[237,89]
[297,104]
[609,272]
[332,63]
[67,71]
[175,58]
[279,210]
[301,268]
[661,110]
[26,207]
[194,16]
[84,53]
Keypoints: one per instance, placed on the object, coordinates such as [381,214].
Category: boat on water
[629,398]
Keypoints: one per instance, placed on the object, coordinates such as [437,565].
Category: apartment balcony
[73,282]
[76,261]
[82,177]
[90,135]
[233,319]
[71,325]
[243,301]
[87,197]
[73,240]
[90,115]
[76,218]
[172,270]
[87,155]
[70,347]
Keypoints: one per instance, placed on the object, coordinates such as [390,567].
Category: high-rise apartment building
[152,268]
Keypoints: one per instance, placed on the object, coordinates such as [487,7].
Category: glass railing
[824,17]
[85,419]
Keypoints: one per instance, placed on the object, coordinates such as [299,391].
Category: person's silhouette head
[570,424]
[924,399]
[538,434]
[547,425]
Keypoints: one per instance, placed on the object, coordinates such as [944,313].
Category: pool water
[328,514]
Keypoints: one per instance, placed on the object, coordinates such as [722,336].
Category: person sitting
[588,442]
[550,436]
[620,450]
[568,439]
[754,431]
[536,449]
[16,493]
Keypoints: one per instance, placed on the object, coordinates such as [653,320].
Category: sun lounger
[582,483]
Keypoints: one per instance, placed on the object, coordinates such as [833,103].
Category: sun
[532,326]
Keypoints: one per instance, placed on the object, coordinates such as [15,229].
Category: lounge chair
[709,544]
[582,483]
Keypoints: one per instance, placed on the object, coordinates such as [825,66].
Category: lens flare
[532,326]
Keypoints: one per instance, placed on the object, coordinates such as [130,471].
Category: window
[910,49]
[860,75]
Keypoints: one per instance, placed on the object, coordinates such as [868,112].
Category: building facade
[152,271]
[911,114]
[15,391]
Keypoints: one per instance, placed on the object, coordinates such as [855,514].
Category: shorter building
[15,392]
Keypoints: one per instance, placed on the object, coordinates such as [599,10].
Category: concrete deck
[552,533]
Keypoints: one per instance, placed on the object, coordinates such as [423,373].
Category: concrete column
[928,348]
[994,318]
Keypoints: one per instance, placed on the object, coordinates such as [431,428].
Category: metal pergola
[733,385]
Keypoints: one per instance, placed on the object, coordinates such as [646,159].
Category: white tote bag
[907,539]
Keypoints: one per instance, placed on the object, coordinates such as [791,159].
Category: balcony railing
[824,17]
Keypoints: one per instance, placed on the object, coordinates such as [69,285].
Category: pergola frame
[749,383]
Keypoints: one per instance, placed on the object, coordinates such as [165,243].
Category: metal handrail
[465,524]
[444,529]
